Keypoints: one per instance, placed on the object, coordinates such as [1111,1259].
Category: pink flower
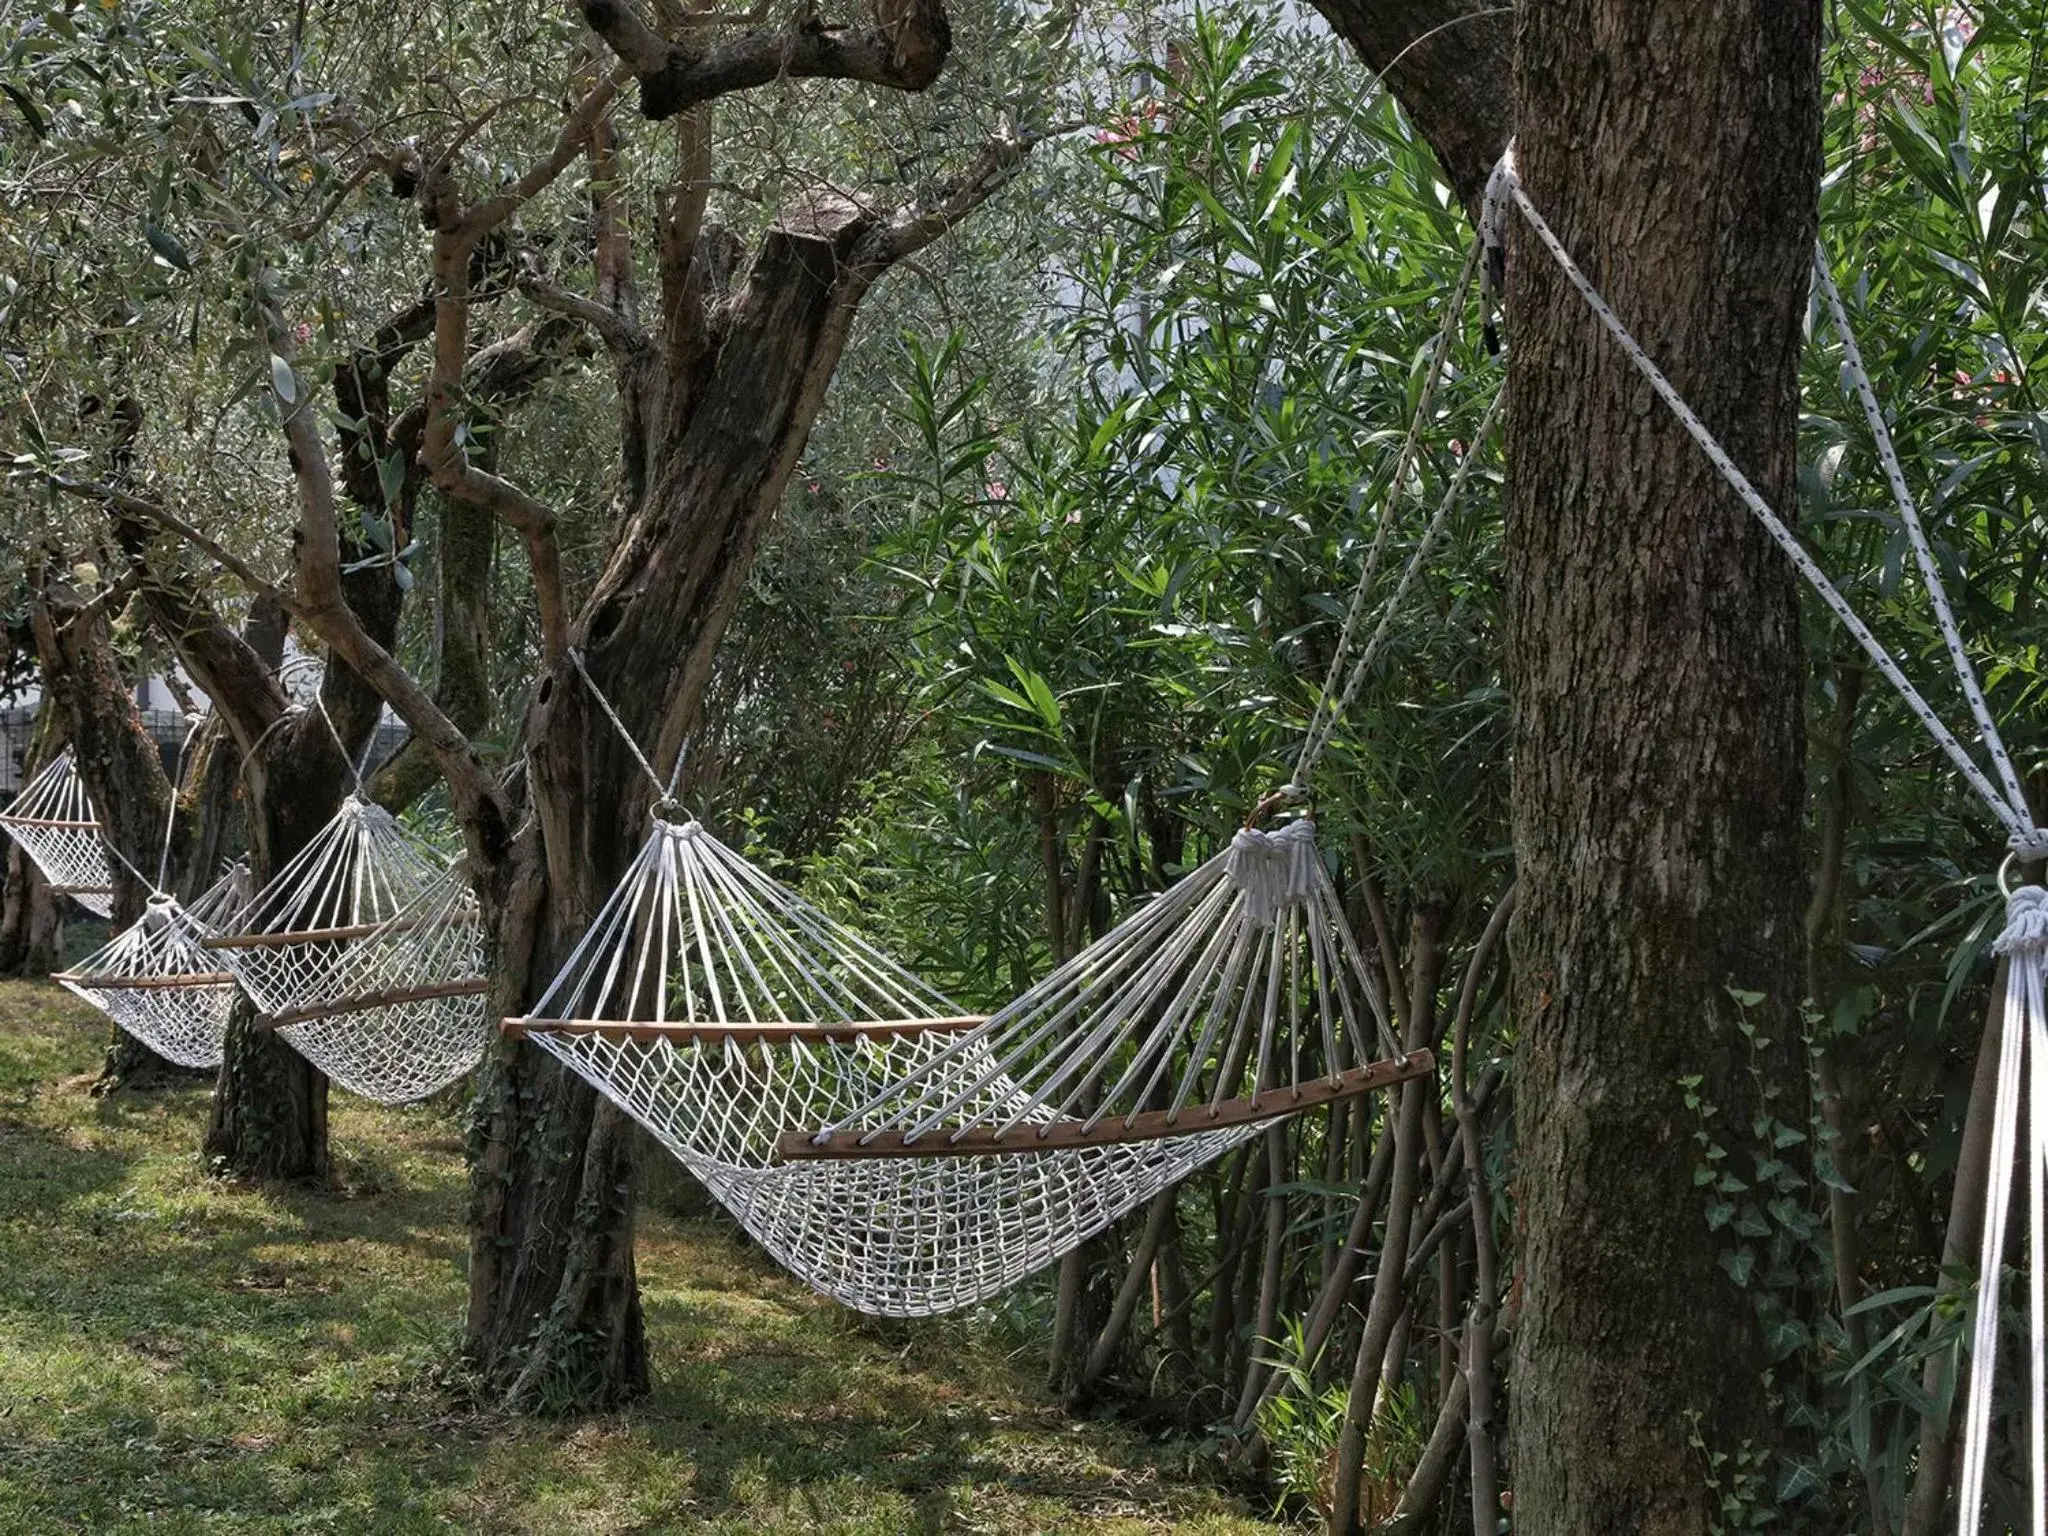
[997,491]
[303,331]
[1074,517]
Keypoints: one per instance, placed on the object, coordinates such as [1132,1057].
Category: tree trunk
[1447,63]
[31,930]
[269,1118]
[118,761]
[1656,670]
[554,1311]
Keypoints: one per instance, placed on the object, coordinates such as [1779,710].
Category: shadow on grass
[179,1353]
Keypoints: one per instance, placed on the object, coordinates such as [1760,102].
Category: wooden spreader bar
[1110,1130]
[83,890]
[773,1033]
[327,935]
[363,1002]
[45,821]
[146,983]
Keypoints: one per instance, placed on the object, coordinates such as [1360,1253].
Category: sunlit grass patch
[182,1354]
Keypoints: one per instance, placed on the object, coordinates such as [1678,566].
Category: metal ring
[2004,870]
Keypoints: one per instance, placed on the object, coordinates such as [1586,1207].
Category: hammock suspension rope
[2022,1087]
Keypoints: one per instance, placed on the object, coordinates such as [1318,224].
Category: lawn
[179,1354]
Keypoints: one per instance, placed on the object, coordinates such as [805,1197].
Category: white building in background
[157,700]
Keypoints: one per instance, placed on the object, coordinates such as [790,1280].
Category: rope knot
[1274,870]
[2030,845]
[2026,923]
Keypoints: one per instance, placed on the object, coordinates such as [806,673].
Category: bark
[1448,63]
[31,930]
[554,1314]
[1655,667]
[122,771]
[904,48]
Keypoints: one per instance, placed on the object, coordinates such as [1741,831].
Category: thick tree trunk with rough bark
[122,771]
[554,1311]
[1656,672]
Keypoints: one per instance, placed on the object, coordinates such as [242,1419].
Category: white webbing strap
[1916,534]
[2022,1079]
[2018,822]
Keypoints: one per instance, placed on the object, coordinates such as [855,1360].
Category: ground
[183,1355]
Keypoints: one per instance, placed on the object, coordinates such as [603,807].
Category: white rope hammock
[54,821]
[907,1160]
[404,1013]
[364,952]
[733,1020]
[2023,1033]
[156,981]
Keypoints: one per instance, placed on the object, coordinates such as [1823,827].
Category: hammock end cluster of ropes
[156,981]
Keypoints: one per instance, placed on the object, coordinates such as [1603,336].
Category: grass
[179,1354]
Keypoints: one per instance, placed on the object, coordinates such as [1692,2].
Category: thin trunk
[31,928]
[1827,1074]
[1266,1327]
[1389,1302]
[118,762]
[1656,671]
[1136,1274]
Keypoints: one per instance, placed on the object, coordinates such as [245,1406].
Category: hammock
[363,951]
[906,1159]
[54,821]
[157,983]
[732,1019]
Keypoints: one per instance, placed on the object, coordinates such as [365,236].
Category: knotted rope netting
[906,1159]
[364,952]
[731,1018]
[54,821]
[156,981]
